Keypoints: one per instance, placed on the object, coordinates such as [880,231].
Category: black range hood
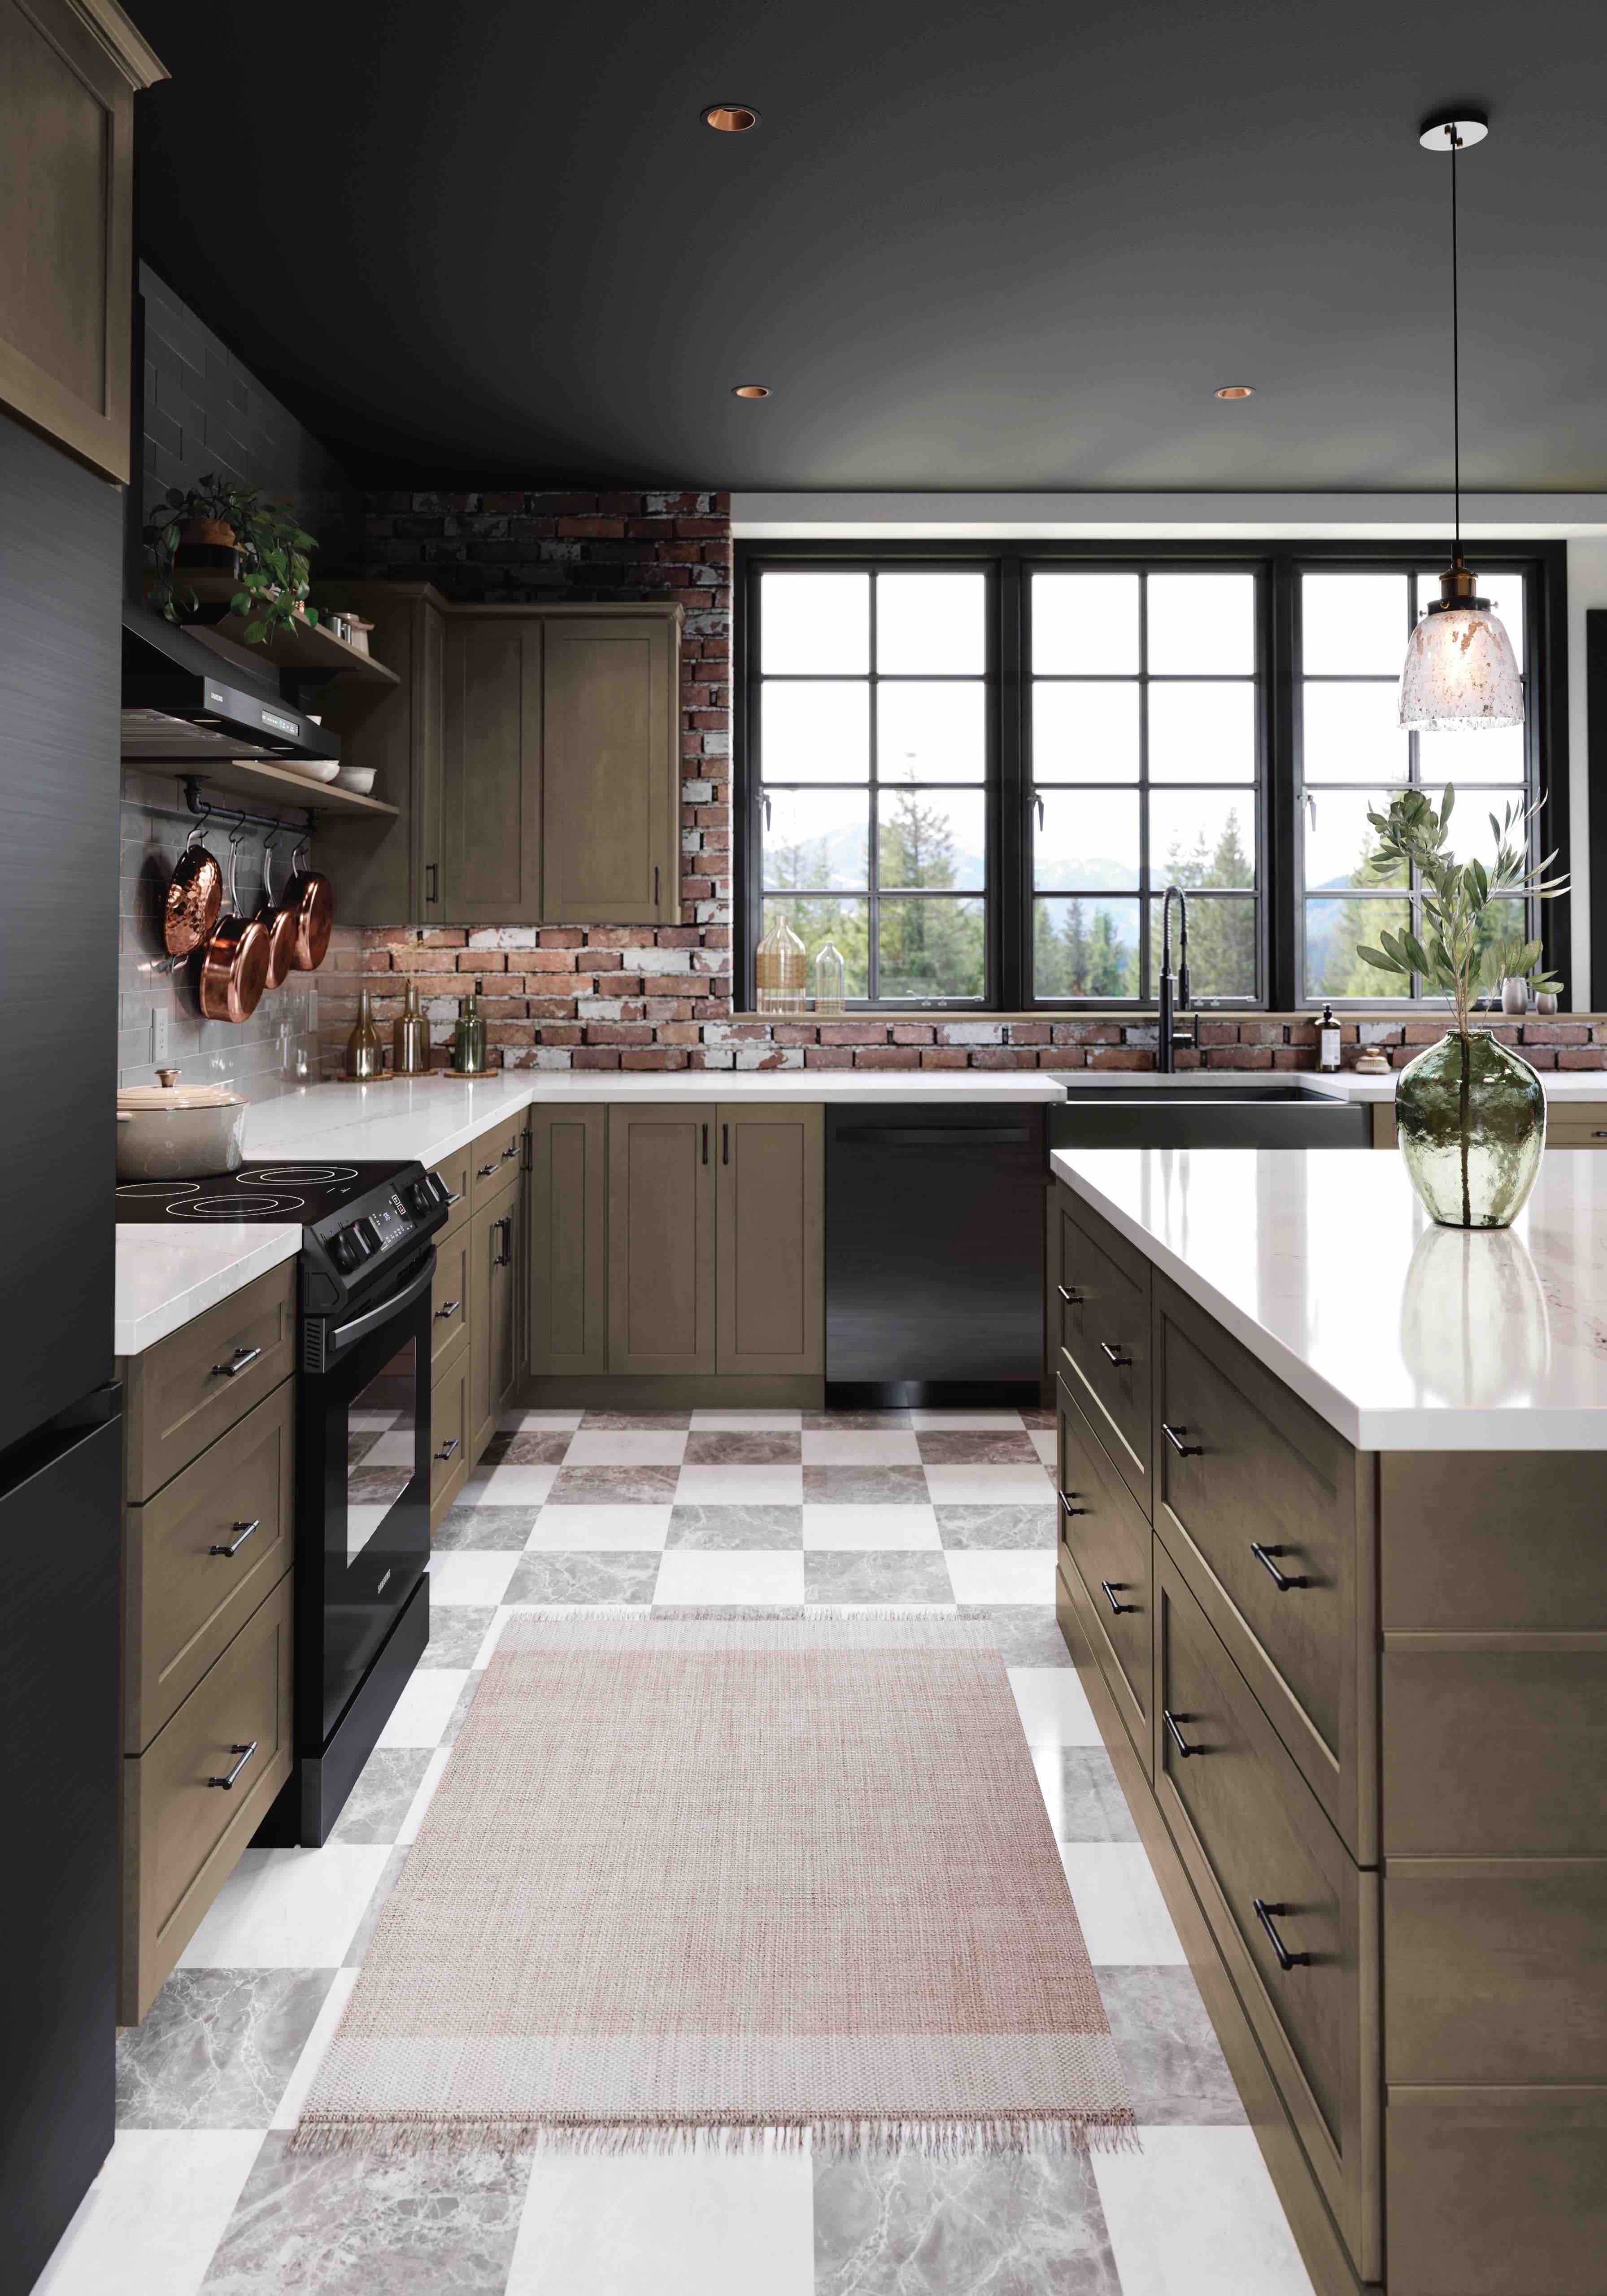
[186,702]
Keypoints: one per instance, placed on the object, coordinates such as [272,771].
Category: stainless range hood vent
[180,708]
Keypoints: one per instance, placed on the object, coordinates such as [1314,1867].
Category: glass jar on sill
[831,981]
[780,970]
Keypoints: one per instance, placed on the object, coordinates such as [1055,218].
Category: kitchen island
[1332,1566]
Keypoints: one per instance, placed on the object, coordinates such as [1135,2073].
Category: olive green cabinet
[660,1237]
[390,873]
[769,1238]
[610,748]
[567,1252]
[495,1235]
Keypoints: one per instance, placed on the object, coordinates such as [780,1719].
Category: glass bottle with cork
[410,1037]
[469,1037]
[365,1054]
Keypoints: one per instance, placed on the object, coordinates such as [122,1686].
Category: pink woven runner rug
[690,1879]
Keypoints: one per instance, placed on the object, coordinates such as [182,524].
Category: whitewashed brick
[505,937]
[656,960]
[698,792]
[971,1032]
[599,1008]
[767,1056]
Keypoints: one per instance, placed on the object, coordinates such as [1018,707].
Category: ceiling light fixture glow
[1460,668]
[730,118]
[751,390]
[1237,391]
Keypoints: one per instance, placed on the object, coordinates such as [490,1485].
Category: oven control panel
[383,1222]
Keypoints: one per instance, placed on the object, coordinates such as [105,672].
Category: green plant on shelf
[271,568]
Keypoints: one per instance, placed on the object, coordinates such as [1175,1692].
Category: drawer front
[450,1299]
[455,1170]
[449,1435]
[182,1834]
[1269,1870]
[1100,1300]
[186,1390]
[1257,1500]
[495,1159]
[1497,2189]
[1103,1535]
[1498,1752]
[199,1559]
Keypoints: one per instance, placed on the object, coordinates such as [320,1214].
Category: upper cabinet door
[491,791]
[610,800]
[390,873]
[68,72]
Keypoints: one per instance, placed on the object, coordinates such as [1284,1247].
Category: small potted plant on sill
[1470,1113]
[219,526]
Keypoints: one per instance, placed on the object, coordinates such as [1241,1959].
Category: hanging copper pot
[193,899]
[310,897]
[234,963]
[281,922]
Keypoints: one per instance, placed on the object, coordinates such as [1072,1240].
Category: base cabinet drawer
[194,1798]
[495,1159]
[1478,2177]
[181,1394]
[454,1170]
[1107,1541]
[449,1435]
[1296,1921]
[1100,1303]
[199,1557]
[451,1301]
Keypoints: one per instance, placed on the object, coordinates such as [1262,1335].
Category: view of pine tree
[1221,934]
[927,948]
[1079,952]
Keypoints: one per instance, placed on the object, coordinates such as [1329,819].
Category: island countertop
[1404,1336]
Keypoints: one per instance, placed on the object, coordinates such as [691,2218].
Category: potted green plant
[224,526]
[1470,1113]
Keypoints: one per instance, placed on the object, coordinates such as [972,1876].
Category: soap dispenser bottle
[1328,1042]
[469,1037]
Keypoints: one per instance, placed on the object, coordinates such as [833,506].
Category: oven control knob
[343,1249]
[420,1195]
[368,1237]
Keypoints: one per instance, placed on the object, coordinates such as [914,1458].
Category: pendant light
[1460,668]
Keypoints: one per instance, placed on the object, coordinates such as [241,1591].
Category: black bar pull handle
[241,1360]
[1121,1609]
[1066,1498]
[1175,1435]
[1178,1738]
[1114,1355]
[1267,1916]
[705,1144]
[243,1531]
[245,1753]
[1072,1298]
[1283,1580]
[444,1315]
[432,880]
[655,884]
[724,1143]
[446,1453]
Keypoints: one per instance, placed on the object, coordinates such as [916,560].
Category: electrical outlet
[160,1020]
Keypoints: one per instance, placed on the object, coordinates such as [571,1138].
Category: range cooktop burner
[158,1191]
[299,1176]
[237,1206]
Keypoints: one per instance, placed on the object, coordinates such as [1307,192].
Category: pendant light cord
[1455,355]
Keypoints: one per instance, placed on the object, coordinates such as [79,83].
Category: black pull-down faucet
[1173,988]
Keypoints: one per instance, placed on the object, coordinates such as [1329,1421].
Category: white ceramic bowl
[316,769]
[359,778]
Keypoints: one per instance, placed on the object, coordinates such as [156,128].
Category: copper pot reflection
[281,922]
[234,963]
[193,899]
[310,897]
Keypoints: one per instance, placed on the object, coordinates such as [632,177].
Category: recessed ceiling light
[731,118]
[751,390]
[1237,391]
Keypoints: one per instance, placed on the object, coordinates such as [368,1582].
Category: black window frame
[1278,565]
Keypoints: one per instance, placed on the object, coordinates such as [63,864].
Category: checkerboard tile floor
[669,1509]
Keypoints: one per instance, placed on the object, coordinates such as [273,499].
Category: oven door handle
[415,1285]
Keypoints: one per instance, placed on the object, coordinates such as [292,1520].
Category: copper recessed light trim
[730,118]
[751,390]
[1237,391]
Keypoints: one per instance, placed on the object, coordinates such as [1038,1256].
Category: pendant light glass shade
[1460,670]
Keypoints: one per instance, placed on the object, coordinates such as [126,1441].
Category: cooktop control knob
[368,1236]
[421,1195]
[342,1249]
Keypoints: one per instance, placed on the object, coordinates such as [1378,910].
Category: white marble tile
[1053,1704]
[475,1575]
[741,1487]
[1119,1904]
[855,1447]
[1044,1442]
[508,1486]
[869,1529]
[746,1423]
[538,1422]
[290,1908]
[1195,2212]
[421,1799]
[621,1529]
[987,1485]
[425,1706]
[1002,1574]
[695,1575]
[393,1450]
[313,2048]
[627,1446]
[148,2224]
[684,2225]
[967,1422]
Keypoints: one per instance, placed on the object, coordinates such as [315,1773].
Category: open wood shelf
[272,785]
[309,647]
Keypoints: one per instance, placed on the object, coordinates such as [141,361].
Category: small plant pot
[1546,1003]
[1514,994]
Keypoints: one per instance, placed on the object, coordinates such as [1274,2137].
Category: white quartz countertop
[163,1280]
[1404,1336]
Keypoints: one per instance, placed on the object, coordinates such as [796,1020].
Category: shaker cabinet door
[610,797]
[491,782]
[769,1252]
[566,1277]
[660,1237]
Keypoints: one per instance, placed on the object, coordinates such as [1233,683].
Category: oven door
[362,1485]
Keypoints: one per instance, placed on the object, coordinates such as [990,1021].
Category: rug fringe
[737,1614]
[937,2138]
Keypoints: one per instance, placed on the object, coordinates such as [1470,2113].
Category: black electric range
[362,1443]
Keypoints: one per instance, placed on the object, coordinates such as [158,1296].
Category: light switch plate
[160,1020]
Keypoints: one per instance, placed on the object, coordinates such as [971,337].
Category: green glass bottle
[469,1037]
[364,1054]
[410,1039]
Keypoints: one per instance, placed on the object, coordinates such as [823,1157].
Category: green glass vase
[1471,1118]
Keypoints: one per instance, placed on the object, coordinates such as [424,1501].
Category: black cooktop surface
[270,1189]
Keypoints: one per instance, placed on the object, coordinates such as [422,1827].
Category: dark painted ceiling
[969,247]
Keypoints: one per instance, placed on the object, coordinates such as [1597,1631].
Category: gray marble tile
[1028,1634]
[457,1631]
[901,1575]
[362,1936]
[216,2048]
[374,1486]
[592,1420]
[384,1795]
[864,1422]
[958,1446]
[1093,1805]
[763,1448]
[866,1487]
[768,1526]
[1039,1419]
[469,1530]
[1017,1525]
[542,1447]
[614,1487]
[583,1578]
[359,2224]
[1008,2224]
[1173,2061]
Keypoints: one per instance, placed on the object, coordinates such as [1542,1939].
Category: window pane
[1202,837]
[932,838]
[1502,921]
[1469,834]
[1085,624]
[1354,625]
[1088,842]
[814,622]
[933,622]
[1086,733]
[818,838]
[931,948]
[1203,732]
[1202,622]
[1221,946]
[816,922]
[1086,947]
[1333,929]
[931,732]
[1340,839]
[1352,733]
[815,732]
[1473,753]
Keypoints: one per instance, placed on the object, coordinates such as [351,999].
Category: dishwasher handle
[915,1135]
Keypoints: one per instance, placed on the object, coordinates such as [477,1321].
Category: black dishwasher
[934,1254]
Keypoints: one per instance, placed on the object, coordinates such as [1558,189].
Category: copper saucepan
[234,963]
[313,904]
[281,922]
[193,899]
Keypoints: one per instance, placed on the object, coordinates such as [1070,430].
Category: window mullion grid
[1145,984]
[873,859]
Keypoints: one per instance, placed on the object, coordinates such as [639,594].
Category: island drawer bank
[1371,1786]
